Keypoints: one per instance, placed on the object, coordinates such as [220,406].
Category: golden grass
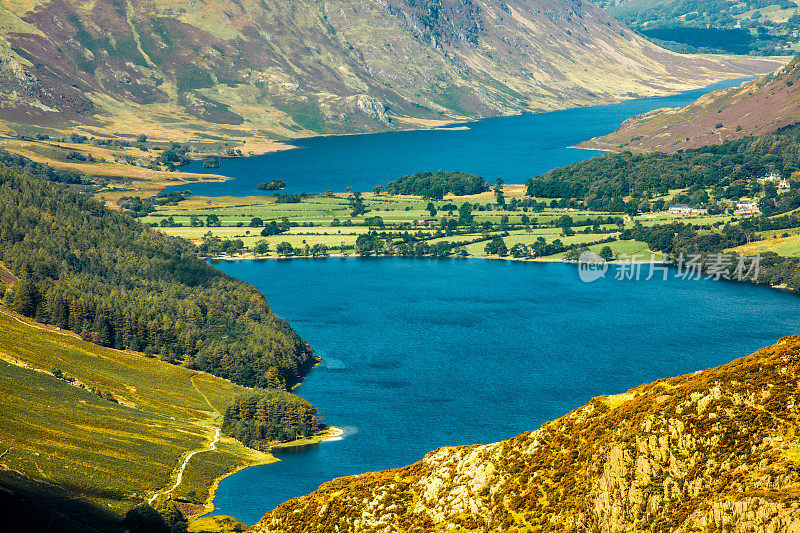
[784,246]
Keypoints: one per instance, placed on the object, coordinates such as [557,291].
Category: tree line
[602,183]
[120,284]
[435,185]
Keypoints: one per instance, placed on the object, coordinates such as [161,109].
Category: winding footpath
[212,446]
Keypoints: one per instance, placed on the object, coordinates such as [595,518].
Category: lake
[512,148]
[421,353]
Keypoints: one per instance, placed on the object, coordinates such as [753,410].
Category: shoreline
[451,125]
[356,256]
[331,433]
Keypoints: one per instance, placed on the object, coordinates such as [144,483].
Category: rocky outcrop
[372,107]
[714,450]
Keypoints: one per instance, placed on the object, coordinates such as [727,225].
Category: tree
[564,222]
[767,206]
[284,249]
[606,253]
[498,192]
[465,216]
[27,298]
[270,229]
[495,246]
[142,138]
[256,222]
[213,221]
[356,204]
[519,250]
[377,190]
[375,221]
[431,209]
[261,247]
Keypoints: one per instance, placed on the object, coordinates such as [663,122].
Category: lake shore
[493,258]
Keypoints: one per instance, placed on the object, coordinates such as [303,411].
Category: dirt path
[43,328]
[212,446]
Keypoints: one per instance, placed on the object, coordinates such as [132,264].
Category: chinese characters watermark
[636,267]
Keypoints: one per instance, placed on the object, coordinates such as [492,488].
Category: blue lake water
[513,148]
[421,353]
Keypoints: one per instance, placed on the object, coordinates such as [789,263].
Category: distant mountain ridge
[758,107]
[713,450]
[277,70]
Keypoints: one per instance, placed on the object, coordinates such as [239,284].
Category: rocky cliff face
[276,69]
[714,450]
[758,107]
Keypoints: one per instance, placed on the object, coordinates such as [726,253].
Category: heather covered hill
[716,449]
[276,70]
[758,107]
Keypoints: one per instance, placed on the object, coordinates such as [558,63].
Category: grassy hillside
[714,450]
[119,445]
[759,107]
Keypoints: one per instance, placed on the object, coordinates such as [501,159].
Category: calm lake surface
[512,148]
[421,353]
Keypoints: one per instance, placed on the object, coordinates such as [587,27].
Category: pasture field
[773,242]
[328,220]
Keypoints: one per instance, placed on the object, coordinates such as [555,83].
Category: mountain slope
[211,69]
[748,26]
[758,107]
[716,449]
[85,427]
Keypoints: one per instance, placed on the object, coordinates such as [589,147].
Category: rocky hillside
[757,107]
[274,69]
[714,450]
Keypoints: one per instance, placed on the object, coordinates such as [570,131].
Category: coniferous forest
[262,416]
[120,284]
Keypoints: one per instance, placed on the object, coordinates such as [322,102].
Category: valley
[258,256]
[228,79]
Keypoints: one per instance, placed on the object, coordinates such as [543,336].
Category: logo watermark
[637,267]
[591,266]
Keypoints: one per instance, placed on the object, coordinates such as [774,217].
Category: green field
[328,221]
[115,454]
